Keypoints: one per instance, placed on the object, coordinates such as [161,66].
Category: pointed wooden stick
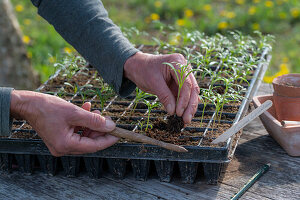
[123,133]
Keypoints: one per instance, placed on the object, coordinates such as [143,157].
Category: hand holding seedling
[151,75]
[57,122]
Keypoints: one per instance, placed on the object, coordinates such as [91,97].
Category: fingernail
[109,124]
[180,112]
[190,118]
[169,108]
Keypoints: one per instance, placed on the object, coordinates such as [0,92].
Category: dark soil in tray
[24,135]
[47,88]
[113,113]
[197,124]
[130,120]
[118,106]
[221,128]
[174,124]
[159,132]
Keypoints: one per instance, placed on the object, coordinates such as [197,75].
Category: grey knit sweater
[86,26]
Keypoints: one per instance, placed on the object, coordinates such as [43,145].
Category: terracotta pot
[287,97]
[288,137]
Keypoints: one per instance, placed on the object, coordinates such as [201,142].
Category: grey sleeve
[86,26]
[5,119]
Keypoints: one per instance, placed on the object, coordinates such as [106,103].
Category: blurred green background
[280,18]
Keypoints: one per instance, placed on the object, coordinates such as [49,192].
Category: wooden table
[255,149]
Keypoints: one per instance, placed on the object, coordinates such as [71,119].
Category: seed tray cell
[26,152]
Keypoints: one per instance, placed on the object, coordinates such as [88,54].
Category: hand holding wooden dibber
[242,123]
[123,133]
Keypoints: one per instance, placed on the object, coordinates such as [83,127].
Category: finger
[167,98]
[97,112]
[82,145]
[193,102]
[86,132]
[87,106]
[92,121]
[95,134]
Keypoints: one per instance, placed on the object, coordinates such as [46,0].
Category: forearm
[86,26]
[21,103]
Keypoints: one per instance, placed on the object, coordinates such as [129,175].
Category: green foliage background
[278,17]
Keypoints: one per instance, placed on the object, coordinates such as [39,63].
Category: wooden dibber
[242,123]
[123,133]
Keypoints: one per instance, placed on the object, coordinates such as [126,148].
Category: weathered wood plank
[59,187]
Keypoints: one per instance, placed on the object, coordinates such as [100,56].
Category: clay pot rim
[278,80]
[281,88]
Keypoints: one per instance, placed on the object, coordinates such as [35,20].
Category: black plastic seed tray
[24,151]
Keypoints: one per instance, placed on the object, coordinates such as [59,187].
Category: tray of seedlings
[228,71]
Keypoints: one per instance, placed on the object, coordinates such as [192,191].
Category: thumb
[87,106]
[167,98]
[93,121]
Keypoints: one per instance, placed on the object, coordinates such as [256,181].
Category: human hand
[57,121]
[149,73]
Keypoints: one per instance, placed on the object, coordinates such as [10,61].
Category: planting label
[241,124]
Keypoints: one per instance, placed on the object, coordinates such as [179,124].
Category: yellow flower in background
[27,21]
[223,13]
[222,25]
[279,2]
[154,16]
[19,8]
[255,26]
[256,1]
[268,79]
[207,7]
[147,20]
[283,70]
[241,2]
[26,39]
[230,15]
[175,39]
[157,4]
[52,59]
[269,4]
[29,54]
[295,12]
[38,18]
[282,15]
[188,13]
[67,50]
[285,59]
[252,10]
[180,22]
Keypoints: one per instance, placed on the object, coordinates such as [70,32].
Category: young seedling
[140,124]
[150,108]
[79,89]
[71,65]
[61,92]
[139,97]
[181,73]
[103,95]
[206,97]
